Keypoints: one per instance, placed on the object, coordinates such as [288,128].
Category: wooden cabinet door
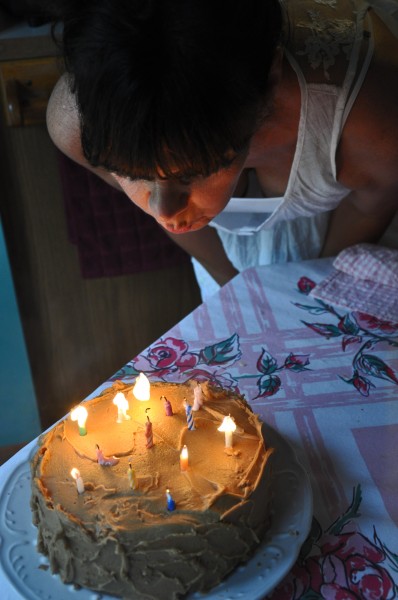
[26,86]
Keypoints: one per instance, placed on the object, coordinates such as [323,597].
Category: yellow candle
[132,477]
[184,459]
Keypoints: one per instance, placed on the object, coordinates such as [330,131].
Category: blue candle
[171,505]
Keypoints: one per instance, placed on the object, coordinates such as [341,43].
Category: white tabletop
[323,377]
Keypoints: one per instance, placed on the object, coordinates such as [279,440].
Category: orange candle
[184,459]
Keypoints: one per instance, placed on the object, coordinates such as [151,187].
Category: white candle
[79,414]
[228,426]
[198,397]
[184,459]
[79,481]
[122,404]
[142,388]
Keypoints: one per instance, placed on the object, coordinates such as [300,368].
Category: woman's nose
[167,200]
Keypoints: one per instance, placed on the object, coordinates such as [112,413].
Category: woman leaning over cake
[185,103]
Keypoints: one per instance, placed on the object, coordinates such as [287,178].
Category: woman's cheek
[137,191]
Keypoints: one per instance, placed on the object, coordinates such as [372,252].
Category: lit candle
[79,481]
[184,459]
[170,502]
[228,426]
[188,412]
[105,461]
[198,397]
[142,388]
[122,404]
[132,477]
[148,433]
[79,414]
[167,406]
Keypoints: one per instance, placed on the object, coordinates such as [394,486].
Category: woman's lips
[198,224]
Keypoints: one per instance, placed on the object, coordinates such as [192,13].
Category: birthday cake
[152,500]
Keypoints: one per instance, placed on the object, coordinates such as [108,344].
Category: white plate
[25,572]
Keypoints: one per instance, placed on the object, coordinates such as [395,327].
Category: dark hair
[169,85]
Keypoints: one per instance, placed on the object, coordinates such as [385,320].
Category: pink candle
[148,434]
[167,407]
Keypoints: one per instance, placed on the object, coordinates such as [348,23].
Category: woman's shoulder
[320,35]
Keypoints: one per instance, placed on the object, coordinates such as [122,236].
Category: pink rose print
[336,564]
[165,357]
[171,359]
[305,285]
[350,568]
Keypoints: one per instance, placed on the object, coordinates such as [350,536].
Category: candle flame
[228,425]
[121,401]
[184,452]
[75,473]
[142,387]
[79,414]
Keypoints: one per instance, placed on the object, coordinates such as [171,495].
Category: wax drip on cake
[105,461]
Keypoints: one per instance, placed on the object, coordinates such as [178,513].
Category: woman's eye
[185,180]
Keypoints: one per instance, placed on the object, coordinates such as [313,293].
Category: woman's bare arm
[205,245]
[351,223]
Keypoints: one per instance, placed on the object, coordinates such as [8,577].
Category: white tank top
[312,186]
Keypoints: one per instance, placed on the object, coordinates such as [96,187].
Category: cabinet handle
[13,107]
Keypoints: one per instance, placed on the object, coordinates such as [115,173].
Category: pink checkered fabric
[370,262]
[365,279]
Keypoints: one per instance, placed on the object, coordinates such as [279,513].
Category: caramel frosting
[125,542]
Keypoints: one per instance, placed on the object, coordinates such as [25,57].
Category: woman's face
[181,206]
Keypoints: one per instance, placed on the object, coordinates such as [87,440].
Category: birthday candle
[198,397]
[79,481]
[188,412]
[170,502]
[79,414]
[148,433]
[122,404]
[132,477]
[167,406]
[228,426]
[142,388]
[184,459]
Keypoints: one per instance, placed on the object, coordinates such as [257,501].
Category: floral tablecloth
[327,379]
